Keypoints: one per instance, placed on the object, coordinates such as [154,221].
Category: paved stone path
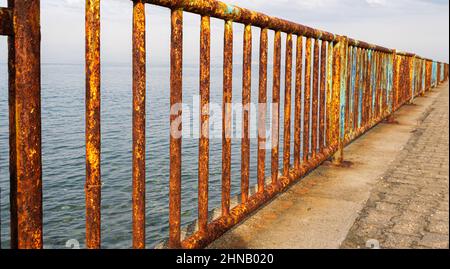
[409,206]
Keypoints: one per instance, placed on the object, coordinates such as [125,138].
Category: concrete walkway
[319,211]
[408,208]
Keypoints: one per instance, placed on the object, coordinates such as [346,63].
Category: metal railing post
[93,174]
[138,121]
[27,105]
[394,86]
[339,87]
[411,61]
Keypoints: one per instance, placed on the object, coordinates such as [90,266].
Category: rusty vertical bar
[377,86]
[307,100]
[380,86]
[397,74]
[356,91]
[438,81]
[351,62]
[315,100]
[371,87]
[139,86]
[401,81]
[404,83]
[287,106]
[363,90]
[246,91]
[276,106]
[366,78]
[12,138]
[411,79]
[422,81]
[425,76]
[176,71]
[27,81]
[203,149]
[335,96]
[329,94]
[226,118]
[429,74]
[298,102]
[339,87]
[384,85]
[365,105]
[394,80]
[323,62]
[391,86]
[93,175]
[419,78]
[262,108]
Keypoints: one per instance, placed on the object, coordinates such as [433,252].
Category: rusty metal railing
[350,86]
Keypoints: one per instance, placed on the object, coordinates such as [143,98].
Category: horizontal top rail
[365,45]
[221,10]
[234,13]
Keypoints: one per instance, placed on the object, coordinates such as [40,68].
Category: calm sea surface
[63,152]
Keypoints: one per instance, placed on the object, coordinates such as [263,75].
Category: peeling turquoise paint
[361,86]
[342,95]
[374,84]
[352,81]
[229,10]
[423,75]
[433,74]
[390,82]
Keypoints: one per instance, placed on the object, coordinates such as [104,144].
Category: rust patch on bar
[349,70]
[287,107]
[226,119]
[307,100]
[276,105]
[298,103]
[176,71]
[27,82]
[93,180]
[246,92]
[139,86]
[329,94]
[323,77]
[262,109]
[315,99]
[356,92]
[203,153]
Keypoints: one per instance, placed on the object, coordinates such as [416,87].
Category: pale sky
[418,26]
